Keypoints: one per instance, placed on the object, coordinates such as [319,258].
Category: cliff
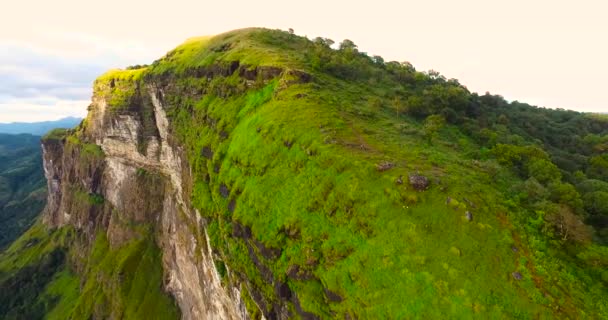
[257,174]
[137,188]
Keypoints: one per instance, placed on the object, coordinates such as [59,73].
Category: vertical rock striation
[123,178]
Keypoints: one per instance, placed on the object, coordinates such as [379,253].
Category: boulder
[224,192]
[207,152]
[384,165]
[419,182]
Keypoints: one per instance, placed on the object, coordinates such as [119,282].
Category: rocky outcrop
[150,187]
[419,182]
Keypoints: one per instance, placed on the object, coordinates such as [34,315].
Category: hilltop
[259,173]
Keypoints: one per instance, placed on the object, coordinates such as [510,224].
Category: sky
[550,53]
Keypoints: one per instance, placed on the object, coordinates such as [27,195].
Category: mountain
[22,185]
[259,174]
[38,128]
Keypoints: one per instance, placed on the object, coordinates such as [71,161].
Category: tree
[507,154]
[488,137]
[348,45]
[598,167]
[408,66]
[323,41]
[378,60]
[543,170]
[291,31]
[591,185]
[398,105]
[416,106]
[432,125]
[596,202]
[435,75]
[565,193]
[534,191]
[569,226]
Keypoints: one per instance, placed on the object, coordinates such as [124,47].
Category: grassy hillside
[37,281]
[306,175]
[22,185]
[350,187]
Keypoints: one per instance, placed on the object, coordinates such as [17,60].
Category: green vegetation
[22,185]
[119,86]
[344,186]
[330,136]
[34,279]
[56,134]
[123,283]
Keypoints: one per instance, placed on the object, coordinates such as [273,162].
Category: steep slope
[259,174]
[22,189]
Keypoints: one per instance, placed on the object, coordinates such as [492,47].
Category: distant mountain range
[38,128]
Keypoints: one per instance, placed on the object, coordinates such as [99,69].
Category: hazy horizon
[546,53]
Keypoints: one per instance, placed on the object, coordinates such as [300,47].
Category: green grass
[66,287]
[34,278]
[124,282]
[300,162]
[297,162]
[301,159]
[56,134]
[33,245]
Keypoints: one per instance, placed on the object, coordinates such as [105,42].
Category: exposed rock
[190,275]
[282,290]
[468,215]
[263,72]
[268,253]
[399,180]
[224,192]
[292,231]
[419,182]
[240,231]
[295,272]
[384,165]
[332,296]
[231,205]
[207,152]
[299,76]
[224,135]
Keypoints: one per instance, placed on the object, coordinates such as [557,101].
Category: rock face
[150,187]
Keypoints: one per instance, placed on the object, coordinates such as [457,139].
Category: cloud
[36,84]
[50,74]
[25,73]
[36,110]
